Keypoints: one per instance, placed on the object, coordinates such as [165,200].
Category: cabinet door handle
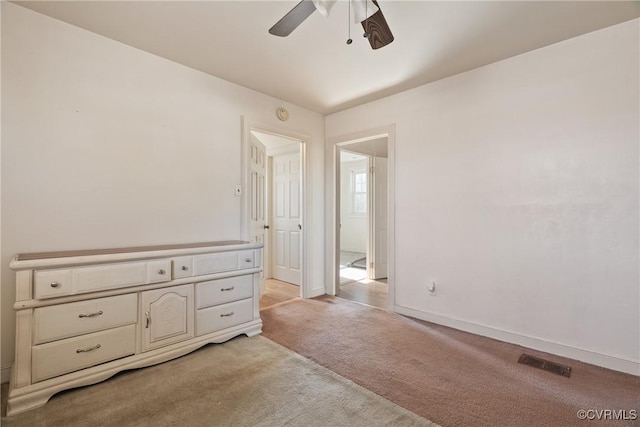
[88,349]
[161,271]
[230,288]
[248,260]
[55,284]
[146,314]
[227,314]
[98,313]
[185,268]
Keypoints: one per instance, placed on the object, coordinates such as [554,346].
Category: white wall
[355,227]
[104,145]
[516,190]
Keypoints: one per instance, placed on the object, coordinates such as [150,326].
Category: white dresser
[83,316]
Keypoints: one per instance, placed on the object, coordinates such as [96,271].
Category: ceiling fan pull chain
[366,19]
[349,41]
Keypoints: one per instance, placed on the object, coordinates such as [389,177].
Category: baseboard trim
[5,375]
[316,292]
[587,356]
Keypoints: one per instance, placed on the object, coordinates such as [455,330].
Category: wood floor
[277,292]
[370,292]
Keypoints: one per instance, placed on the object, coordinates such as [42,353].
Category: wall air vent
[545,365]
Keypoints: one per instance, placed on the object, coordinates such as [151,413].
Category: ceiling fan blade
[291,20]
[377,29]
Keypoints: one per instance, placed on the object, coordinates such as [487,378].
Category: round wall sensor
[282,114]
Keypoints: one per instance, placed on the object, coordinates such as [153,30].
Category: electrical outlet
[238,191]
[431,288]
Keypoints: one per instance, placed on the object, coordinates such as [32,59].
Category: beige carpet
[244,382]
[450,377]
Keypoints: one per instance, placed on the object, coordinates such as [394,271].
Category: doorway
[362,186]
[354,216]
[276,211]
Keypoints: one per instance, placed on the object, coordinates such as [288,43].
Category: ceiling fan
[367,12]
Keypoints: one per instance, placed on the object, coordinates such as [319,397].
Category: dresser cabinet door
[167,316]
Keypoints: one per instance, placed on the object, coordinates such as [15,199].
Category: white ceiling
[314,67]
[346,156]
[271,140]
[376,147]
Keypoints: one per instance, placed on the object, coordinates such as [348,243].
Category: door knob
[299,226]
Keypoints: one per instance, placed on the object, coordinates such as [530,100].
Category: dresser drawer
[61,357]
[88,279]
[59,282]
[52,283]
[247,259]
[159,271]
[223,316]
[215,263]
[68,320]
[182,267]
[225,290]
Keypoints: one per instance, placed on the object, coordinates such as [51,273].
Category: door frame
[247,126]
[374,220]
[332,249]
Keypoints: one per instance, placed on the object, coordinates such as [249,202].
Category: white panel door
[286,219]
[379,219]
[257,190]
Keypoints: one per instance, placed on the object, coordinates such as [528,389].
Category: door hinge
[370,265]
[371,169]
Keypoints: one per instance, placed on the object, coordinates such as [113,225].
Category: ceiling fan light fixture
[363,9]
[366,12]
[324,6]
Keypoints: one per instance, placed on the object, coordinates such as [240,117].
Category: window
[359,191]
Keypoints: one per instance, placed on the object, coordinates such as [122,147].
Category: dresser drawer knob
[88,349]
[248,260]
[227,314]
[185,268]
[55,284]
[97,313]
[230,288]
[161,271]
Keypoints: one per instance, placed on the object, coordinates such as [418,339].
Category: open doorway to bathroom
[363,222]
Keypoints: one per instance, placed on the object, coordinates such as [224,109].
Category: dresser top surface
[57,259]
[87,252]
